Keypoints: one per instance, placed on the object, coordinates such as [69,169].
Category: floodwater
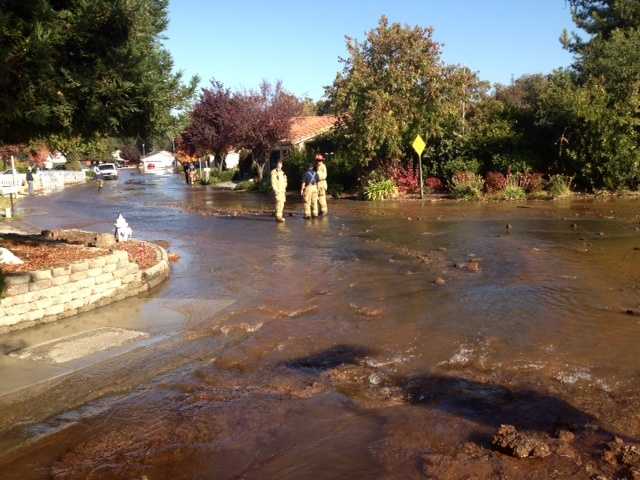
[327,349]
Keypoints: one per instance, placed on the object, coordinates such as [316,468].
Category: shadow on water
[494,405]
[331,358]
[10,346]
[485,403]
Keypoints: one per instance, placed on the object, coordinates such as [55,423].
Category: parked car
[55,161]
[107,171]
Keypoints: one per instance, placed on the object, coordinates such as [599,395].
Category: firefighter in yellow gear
[309,192]
[279,186]
[321,170]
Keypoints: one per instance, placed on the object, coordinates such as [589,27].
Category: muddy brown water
[340,356]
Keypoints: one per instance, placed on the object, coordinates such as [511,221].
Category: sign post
[419,146]
[13,182]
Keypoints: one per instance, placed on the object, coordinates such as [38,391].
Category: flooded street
[386,341]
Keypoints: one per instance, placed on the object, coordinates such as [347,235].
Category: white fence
[16,180]
[46,181]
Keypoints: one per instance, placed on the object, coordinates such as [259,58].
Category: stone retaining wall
[32,298]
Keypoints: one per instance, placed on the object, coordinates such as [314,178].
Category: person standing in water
[279,186]
[309,192]
[321,170]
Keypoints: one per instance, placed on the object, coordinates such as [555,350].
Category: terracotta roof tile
[306,128]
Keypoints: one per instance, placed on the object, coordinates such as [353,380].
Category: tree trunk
[259,170]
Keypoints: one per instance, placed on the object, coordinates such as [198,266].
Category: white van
[107,171]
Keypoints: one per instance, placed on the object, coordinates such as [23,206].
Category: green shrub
[73,165]
[225,176]
[247,185]
[264,186]
[560,186]
[513,162]
[253,185]
[466,186]
[295,166]
[380,189]
[335,189]
[460,164]
[513,190]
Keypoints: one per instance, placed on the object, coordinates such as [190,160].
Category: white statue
[123,230]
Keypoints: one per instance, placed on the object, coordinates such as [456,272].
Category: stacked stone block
[31,298]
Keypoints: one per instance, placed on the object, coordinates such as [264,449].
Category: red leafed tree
[213,127]
[7,151]
[265,118]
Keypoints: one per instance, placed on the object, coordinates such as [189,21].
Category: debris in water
[375,379]
[565,436]
[440,281]
[620,452]
[519,445]
[366,311]
[302,311]
[473,266]
[248,328]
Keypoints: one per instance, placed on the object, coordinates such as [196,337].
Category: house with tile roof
[307,128]
[303,130]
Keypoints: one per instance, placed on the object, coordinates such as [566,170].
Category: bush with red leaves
[434,184]
[531,182]
[495,182]
[406,179]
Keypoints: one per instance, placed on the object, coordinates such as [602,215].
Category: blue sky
[241,42]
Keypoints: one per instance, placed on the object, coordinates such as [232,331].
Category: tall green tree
[603,120]
[86,68]
[390,89]
[394,86]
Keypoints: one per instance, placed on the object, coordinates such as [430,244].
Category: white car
[107,171]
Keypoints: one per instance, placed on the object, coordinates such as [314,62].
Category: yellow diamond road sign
[418,145]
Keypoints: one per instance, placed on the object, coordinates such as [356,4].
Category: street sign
[419,145]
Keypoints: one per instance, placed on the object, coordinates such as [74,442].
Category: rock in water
[8,258]
[519,445]
[473,266]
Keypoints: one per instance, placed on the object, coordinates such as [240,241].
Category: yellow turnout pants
[322,197]
[310,201]
[280,199]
